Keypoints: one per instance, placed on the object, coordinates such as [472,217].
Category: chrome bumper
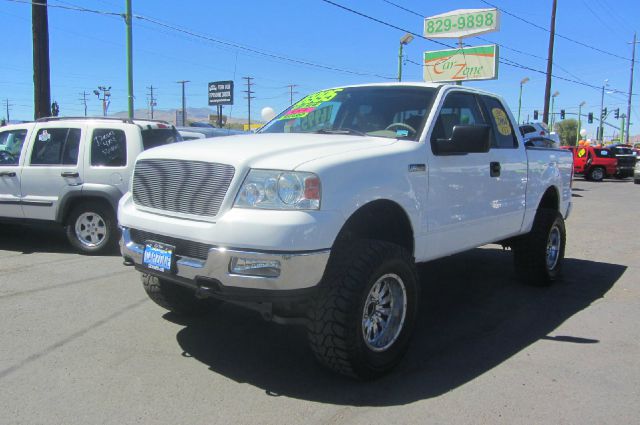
[298,270]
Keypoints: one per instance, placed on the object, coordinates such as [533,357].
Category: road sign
[462,23]
[221,93]
[469,63]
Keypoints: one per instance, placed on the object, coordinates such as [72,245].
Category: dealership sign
[221,93]
[462,23]
[464,64]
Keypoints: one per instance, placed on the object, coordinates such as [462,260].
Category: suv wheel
[361,321]
[538,256]
[92,229]
[174,297]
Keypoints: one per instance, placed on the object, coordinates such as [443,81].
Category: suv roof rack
[124,120]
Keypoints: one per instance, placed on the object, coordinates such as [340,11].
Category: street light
[522,82]
[601,130]
[406,39]
[553,97]
[579,121]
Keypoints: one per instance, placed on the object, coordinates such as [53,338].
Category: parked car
[636,173]
[321,217]
[191,133]
[594,163]
[540,142]
[73,171]
[626,160]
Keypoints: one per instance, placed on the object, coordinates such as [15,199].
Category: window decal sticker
[502,122]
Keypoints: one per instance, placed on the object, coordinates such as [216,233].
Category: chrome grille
[187,187]
[183,247]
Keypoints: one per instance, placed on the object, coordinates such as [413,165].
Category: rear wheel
[362,320]
[538,256]
[596,174]
[174,297]
[92,229]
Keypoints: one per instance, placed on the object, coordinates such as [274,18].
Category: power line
[557,35]
[503,60]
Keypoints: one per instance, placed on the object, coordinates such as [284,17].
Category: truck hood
[283,151]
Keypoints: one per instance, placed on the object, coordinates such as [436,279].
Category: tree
[567,130]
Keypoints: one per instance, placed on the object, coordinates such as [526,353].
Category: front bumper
[299,271]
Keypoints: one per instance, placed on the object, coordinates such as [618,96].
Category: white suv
[73,171]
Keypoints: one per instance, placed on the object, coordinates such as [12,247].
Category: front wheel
[596,174]
[362,320]
[538,256]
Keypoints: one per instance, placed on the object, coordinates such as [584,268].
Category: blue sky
[88,50]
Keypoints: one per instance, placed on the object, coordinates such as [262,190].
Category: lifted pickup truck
[321,217]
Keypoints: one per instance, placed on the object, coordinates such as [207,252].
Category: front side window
[11,142]
[390,112]
[108,148]
[56,146]
[458,109]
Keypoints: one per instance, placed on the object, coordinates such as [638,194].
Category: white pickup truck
[321,216]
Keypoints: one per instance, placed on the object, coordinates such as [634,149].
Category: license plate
[158,256]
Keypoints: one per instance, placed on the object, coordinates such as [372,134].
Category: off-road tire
[174,297]
[531,252]
[100,213]
[336,325]
[596,174]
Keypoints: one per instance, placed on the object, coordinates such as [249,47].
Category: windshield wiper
[340,131]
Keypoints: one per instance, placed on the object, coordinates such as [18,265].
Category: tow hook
[203,292]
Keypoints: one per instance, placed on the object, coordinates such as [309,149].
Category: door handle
[494,169]
[70,174]
[7,173]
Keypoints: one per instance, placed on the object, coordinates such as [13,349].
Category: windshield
[392,112]
[158,137]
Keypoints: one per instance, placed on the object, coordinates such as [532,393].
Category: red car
[593,162]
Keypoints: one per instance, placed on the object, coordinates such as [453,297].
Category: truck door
[508,183]
[12,146]
[460,207]
[51,170]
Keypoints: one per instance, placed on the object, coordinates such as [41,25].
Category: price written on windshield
[461,23]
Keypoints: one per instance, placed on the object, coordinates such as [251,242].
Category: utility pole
[291,92]
[249,92]
[127,20]
[83,100]
[547,87]
[6,102]
[600,134]
[633,59]
[152,101]
[106,95]
[184,103]
[41,79]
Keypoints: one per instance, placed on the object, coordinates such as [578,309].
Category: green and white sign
[466,64]
[462,23]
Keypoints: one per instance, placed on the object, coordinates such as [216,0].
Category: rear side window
[56,146]
[108,148]
[159,137]
[503,135]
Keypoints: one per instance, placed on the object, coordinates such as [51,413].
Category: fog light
[254,267]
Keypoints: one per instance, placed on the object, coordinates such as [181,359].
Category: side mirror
[465,139]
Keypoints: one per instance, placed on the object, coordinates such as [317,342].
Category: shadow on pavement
[29,239]
[474,316]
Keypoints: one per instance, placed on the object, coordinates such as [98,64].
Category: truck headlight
[279,190]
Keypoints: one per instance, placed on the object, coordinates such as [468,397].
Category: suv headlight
[279,190]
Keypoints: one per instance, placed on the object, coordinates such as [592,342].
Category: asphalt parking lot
[82,344]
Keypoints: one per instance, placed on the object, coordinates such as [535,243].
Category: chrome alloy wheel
[384,312]
[91,229]
[553,247]
[597,174]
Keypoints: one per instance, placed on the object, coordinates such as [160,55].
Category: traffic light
[604,113]
[561,114]
[590,118]
[616,113]
[535,115]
